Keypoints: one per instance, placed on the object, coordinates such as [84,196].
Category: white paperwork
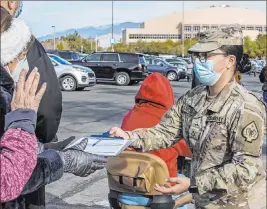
[104,146]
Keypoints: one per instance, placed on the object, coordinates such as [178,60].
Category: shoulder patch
[250,132]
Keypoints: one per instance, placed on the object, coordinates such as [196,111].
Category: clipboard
[103,145]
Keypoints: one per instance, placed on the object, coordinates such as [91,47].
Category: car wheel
[68,83]
[172,76]
[80,88]
[122,79]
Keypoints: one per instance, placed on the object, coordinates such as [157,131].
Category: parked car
[81,56]
[65,54]
[177,60]
[149,57]
[171,72]
[72,77]
[188,68]
[123,68]
[178,64]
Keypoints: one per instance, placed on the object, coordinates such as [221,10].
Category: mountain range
[100,32]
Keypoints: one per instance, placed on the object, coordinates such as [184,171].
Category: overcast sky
[41,15]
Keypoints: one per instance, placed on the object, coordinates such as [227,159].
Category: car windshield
[60,60]
[81,56]
[166,63]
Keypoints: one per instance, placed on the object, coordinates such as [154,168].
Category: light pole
[96,43]
[183,32]
[112,38]
[91,40]
[54,27]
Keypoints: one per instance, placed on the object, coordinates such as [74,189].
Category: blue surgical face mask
[18,12]
[205,72]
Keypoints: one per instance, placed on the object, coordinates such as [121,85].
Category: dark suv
[123,68]
[67,55]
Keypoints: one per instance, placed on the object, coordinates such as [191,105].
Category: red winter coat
[152,101]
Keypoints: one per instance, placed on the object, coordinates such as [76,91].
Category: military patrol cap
[216,38]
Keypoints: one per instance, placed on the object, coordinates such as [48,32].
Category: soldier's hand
[182,185]
[118,132]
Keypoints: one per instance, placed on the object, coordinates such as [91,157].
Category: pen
[96,142]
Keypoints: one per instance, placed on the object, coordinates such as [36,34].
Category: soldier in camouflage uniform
[222,122]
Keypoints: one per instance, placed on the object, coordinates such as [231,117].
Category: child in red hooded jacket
[152,101]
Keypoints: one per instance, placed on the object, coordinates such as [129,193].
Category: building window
[187,28]
[154,36]
[205,27]
[250,28]
[265,29]
[259,29]
[214,27]
[243,28]
[196,28]
[187,35]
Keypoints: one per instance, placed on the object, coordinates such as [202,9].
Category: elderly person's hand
[25,96]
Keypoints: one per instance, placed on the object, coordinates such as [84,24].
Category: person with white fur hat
[16,39]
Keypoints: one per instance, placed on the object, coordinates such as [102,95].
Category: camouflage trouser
[221,201]
[225,206]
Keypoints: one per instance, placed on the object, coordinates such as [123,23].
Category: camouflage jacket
[225,135]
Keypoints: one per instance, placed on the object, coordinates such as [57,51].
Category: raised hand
[25,96]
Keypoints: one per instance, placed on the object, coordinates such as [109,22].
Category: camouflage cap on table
[214,39]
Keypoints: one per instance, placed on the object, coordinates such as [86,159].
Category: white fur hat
[14,40]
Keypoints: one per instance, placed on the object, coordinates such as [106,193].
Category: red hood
[157,89]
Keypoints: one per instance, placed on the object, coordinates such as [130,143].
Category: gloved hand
[81,163]
[59,146]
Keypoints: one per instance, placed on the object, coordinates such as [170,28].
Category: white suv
[72,77]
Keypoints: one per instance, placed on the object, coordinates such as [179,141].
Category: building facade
[170,27]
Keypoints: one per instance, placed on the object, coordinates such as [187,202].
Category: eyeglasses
[204,56]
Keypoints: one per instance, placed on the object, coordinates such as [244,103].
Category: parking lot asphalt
[94,111]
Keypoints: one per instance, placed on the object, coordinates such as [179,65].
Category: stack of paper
[104,146]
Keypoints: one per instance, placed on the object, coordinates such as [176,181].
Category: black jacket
[6,91]
[263,78]
[50,109]
[49,112]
